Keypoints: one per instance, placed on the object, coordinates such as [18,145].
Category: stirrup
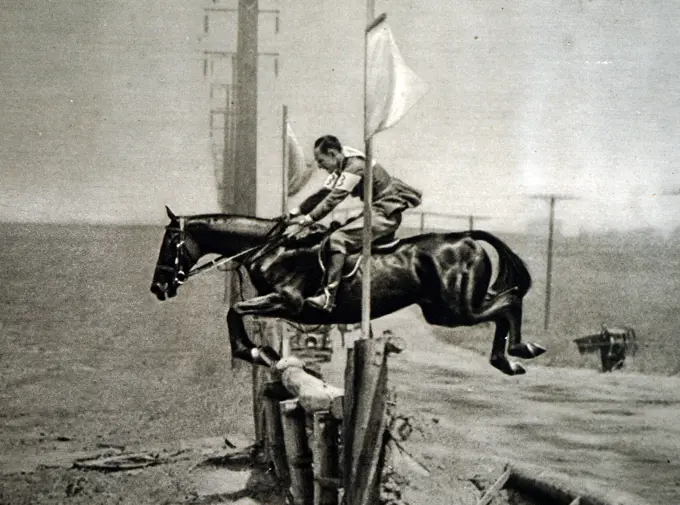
[328,304]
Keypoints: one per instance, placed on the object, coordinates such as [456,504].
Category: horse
[447,274]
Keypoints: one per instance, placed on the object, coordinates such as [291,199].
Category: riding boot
[326,299]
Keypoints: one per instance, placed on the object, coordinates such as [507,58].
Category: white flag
[392,88]
[298,170]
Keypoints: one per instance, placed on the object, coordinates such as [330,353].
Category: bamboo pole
[285,167]
[368,192]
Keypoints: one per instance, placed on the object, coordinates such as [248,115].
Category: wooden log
[326,459]
[560,489]
[368,422]
[275,440]
[313,393]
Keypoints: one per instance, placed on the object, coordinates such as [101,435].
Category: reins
[256,251]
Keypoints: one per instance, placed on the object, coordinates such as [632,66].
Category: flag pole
[285,167]
[368,191]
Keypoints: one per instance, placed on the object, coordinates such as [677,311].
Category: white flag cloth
[298,170]
[392,88]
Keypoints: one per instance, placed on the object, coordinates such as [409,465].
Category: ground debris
[132,461]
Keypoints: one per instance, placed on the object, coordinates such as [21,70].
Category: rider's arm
[313,200]
[346,181]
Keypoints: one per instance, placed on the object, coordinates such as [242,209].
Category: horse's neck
[225,234]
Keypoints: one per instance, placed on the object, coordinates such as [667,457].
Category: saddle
[383,245]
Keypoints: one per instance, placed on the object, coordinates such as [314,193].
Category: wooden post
[326,459]
[422,222]
[259,377]
[367,421]
[299,456]
[347,428]
[275,440]
[471,222]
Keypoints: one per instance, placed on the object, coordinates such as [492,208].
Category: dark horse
[447,274]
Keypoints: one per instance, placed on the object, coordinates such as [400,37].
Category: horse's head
[179,252]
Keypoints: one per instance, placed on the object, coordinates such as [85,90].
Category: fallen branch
[125,462]
[493,490]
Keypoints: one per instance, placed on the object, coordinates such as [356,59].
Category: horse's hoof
[526,350]
[507,367]
[266,356]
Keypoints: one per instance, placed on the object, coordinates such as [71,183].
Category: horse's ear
[171,214]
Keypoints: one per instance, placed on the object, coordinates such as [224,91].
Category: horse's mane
[230,223]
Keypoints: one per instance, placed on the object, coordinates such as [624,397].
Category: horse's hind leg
[272,305]
[506,311]
[498,358]
[516,347]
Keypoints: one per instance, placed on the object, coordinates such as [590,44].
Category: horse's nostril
[158,290]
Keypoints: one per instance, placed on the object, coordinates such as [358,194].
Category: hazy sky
[104,105]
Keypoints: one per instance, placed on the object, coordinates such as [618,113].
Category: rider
[345,166]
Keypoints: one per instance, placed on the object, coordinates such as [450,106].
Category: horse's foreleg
[242,347]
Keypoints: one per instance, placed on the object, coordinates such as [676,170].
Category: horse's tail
[512,271]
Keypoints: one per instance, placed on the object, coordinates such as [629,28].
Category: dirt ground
[614,430]
[90,363]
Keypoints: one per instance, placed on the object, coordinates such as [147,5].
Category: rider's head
[328,153]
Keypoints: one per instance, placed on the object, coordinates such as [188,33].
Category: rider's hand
[304,220]
[297,225]
[292,230]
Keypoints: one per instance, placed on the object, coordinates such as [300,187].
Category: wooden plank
[493,490]
[326,458]
[298,453]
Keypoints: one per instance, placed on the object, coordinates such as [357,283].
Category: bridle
[177,269]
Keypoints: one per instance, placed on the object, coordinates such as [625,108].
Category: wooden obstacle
[324,442]
[545,486]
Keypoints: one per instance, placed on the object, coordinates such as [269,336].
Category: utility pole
[245,166]
[551,198]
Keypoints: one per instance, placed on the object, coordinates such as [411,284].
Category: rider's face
[329,161]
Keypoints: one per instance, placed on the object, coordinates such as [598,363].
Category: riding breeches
[348,238]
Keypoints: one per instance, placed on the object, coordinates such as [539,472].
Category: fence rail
[422,217]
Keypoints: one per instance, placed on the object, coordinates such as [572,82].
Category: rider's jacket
[390,194]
